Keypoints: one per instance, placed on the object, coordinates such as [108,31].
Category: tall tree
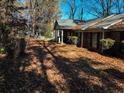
[8,23]
[42,12]
[81,13]
[100,8]
[72,8]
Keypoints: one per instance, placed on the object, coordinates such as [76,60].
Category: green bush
[73,39]
[2,50]
[107,43]
[48,34]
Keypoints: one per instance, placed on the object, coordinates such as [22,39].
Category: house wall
[113,35]
[71,33]
[122,35]
[65,36]
[89,41]
[116,49]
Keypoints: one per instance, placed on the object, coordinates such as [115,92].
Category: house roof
[110,22]
[90,23]
[68,24]
[106,23]
[120,26]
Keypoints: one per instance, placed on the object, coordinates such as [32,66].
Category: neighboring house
[90,33]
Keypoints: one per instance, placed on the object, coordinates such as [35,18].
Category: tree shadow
[22,76]
[15,78]
[116,73]
[79,75]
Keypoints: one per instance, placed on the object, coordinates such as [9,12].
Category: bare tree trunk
[73,8]
[101,8]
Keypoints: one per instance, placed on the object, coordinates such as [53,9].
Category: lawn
[59,68]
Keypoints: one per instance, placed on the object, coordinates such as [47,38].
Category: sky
[64,9]
[21,0]
[88,6]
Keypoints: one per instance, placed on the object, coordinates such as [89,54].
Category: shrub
[2,50]
[73,39]
[107,43]
[48,34]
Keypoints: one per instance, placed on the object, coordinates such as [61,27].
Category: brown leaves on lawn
[54,68]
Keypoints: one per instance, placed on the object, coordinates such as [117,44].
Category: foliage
[73,39]
[5,27]
[42,13]
[107,43]
[48,34]
[2,50]
[9,24]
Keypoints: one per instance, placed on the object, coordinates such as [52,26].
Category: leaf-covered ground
[54,68]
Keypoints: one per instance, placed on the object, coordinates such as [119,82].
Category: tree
[100,8]
[81,13]
[8,25]
[42,12]
[72,8]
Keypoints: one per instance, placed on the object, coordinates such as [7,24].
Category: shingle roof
[105,23]
[68,24]
[100,23]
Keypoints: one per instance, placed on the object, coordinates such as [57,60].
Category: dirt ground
[59,68]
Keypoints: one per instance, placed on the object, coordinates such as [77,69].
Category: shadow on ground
[79,75]
[28,74]
[14,78]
